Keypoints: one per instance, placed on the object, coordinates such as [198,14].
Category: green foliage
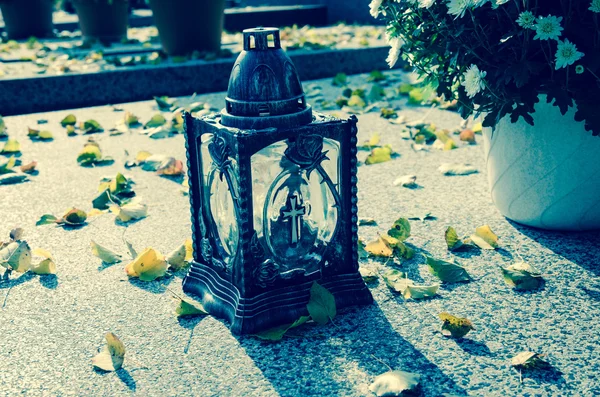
[517,67]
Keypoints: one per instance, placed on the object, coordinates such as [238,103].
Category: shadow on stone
[158,286]
[581,248]
[49,281]
[127,379]
[189,323]
[545,374]
[362,338]
[10,283]
[105,265]
[473,347]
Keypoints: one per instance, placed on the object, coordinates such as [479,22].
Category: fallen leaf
[371,142]
[276,334]
[362,252]
[111,358]
[46,265]
[91,126]
[69,120]
[133,210]
[387,113]
[119,186]
[457,169]
[452,240]
[71,130]
[176,259]
[522,276]
[73,217]
[132,250]
[357,101]
[368,273]
[164,102]
[340,80]
[189,249]
[400,249]
[92,155]
[379,248]
[484,238]
[172,167]
[105,254]
[2,128]
[46,220]
[11,179]
[157,120]
[477,128]
[130,119]
[400,229]
[16,233]
[321,305]
[379,155]
[467,135]
[528,360]
[394,383]
[7,168]
[409,181]
[367,222]
[104,200]
[11,146]
[455,327]
[446,271]
[29,167]
[148,266]
[187,309]
[17,256]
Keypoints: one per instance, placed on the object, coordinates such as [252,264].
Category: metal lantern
[273,197]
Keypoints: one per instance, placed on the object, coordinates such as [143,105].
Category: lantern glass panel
[220,186]
[295,212]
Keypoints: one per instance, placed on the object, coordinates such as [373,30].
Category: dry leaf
[484,238]
[455,327]
[148,266]
[112,356]
[394,383]
[409,181]
[105,254]
[457,169]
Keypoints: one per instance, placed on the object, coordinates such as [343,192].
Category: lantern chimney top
[264,88]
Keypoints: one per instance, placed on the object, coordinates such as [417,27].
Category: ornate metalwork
[266,273]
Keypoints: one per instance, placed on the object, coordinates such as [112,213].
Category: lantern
[273,197]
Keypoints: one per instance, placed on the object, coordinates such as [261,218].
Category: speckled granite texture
[52,327]
[45,93]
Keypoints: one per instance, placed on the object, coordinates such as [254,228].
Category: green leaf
[276,334]
[377,93]
[405,88]
[340,80]
[69,120]
[416,96]
[157,120]
[368,273]
[321,305]
[452,240]
[387,113]
[455,327]
[7,167]
[90,154]
[367,222]
[394,383]
[522,276]
[12,179]
[164,102]
[104,200]
[376,75]
[446,271]
[356,101]
[2,127]
[186,309]
[74,217]
[400,229]
[46,220]
[91,126]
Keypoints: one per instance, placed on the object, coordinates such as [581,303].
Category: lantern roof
[264,88]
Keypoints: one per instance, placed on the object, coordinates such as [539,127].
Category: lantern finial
[264,88]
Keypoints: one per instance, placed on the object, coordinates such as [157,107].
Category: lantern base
[270,309]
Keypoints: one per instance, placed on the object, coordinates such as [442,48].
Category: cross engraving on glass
[293,213]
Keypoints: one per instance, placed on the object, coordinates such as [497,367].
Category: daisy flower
[396,43]
[426,3]
[526,20]
[473,81]
[374,6]
[458,7]
[567,54]
[548,28]
[595,6]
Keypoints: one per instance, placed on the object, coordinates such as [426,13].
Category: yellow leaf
[522,276]
[16,255]
[379,155]
[32,133]
[90,154]
[372,142]
[379,248]
[148,266]
[46,265]
[95,212]
[450,144]
[69,120]
[142,156]
[74,217]
[131,119]
[452,240]
[45,135]
[186,309]
[11,146]
[484,238]
[189,250]
[477,128]
[71,130]
[112,356]
[455,327]
[105,254]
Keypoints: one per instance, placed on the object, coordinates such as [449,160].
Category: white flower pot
[548,175]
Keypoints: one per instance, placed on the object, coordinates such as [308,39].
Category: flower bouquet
[498,58]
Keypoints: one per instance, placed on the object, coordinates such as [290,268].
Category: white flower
[526,20]
[375,5]
[498,3]
[426,3]
[548,28]
[396,43]
[473,81]
[458,7]
[567,54]
[595,6]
